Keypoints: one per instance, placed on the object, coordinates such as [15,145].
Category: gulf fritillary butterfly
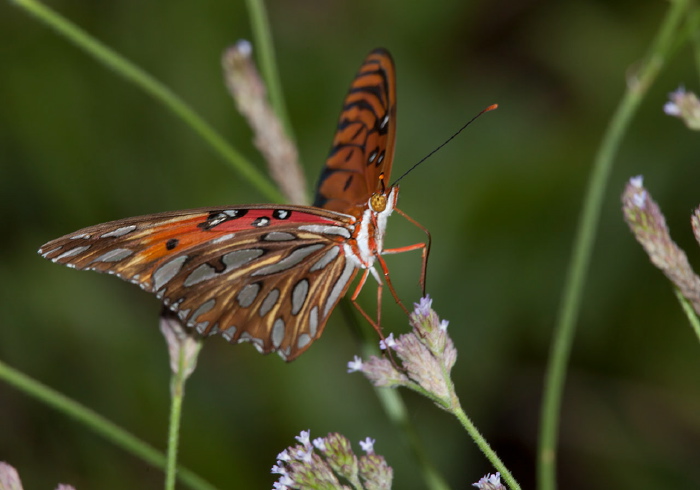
[265,273]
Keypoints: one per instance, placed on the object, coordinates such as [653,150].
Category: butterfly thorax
[368,236]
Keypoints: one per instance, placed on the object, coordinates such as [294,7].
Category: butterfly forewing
[363,146]
[266,275]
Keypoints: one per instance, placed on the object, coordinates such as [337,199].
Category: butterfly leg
[376,325]
[424,246]
[387,278]
[425,249]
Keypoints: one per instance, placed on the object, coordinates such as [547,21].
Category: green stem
[262,41]
[451,404]
[107,429]
[484,446]
[584,241]
[174,429]
[153,87]
[689,311]
[177,384]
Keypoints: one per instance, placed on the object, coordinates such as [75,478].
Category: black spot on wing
[348,182]
[215,218]
[281,214]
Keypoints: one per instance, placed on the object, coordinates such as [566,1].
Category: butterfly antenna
[489,108]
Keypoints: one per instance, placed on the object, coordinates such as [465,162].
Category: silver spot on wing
[278,236]
[338,287]
[174,305]
[223,238]
[237,258]
[284,353]
[278,332]
[72,252]
[114,255]
[303,340]
[44,254]
[327,258]
[203,308]
[385,121]
[313,321]
[289,261]
[200,274]
[248,294]
[327,230]
[229,332]
[269,301]
[119,231]
[301,289]
[167,271]
[182,314]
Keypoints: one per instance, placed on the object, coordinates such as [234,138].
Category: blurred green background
[79,146]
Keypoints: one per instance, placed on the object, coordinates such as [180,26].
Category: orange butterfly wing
[363,146]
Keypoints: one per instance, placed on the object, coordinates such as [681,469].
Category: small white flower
[424,306]
[368,445]
[283,456]
[320,444]
[494,479]
[279,486]
[639,199]
[305,454]
[489,482]
[285,481]
[279,469]
[303,437]
[685,106]
[637,181]
[355,365]
[672,109]
[388,342]
[244,46]
[444,324]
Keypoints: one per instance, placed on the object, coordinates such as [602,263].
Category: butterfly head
[378,200]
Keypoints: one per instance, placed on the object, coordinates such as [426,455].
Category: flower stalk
[647,223]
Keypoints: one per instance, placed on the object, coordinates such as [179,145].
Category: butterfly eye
[378,202]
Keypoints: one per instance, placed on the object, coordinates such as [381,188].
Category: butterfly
[265,273]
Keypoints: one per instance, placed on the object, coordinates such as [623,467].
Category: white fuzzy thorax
[367,256]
